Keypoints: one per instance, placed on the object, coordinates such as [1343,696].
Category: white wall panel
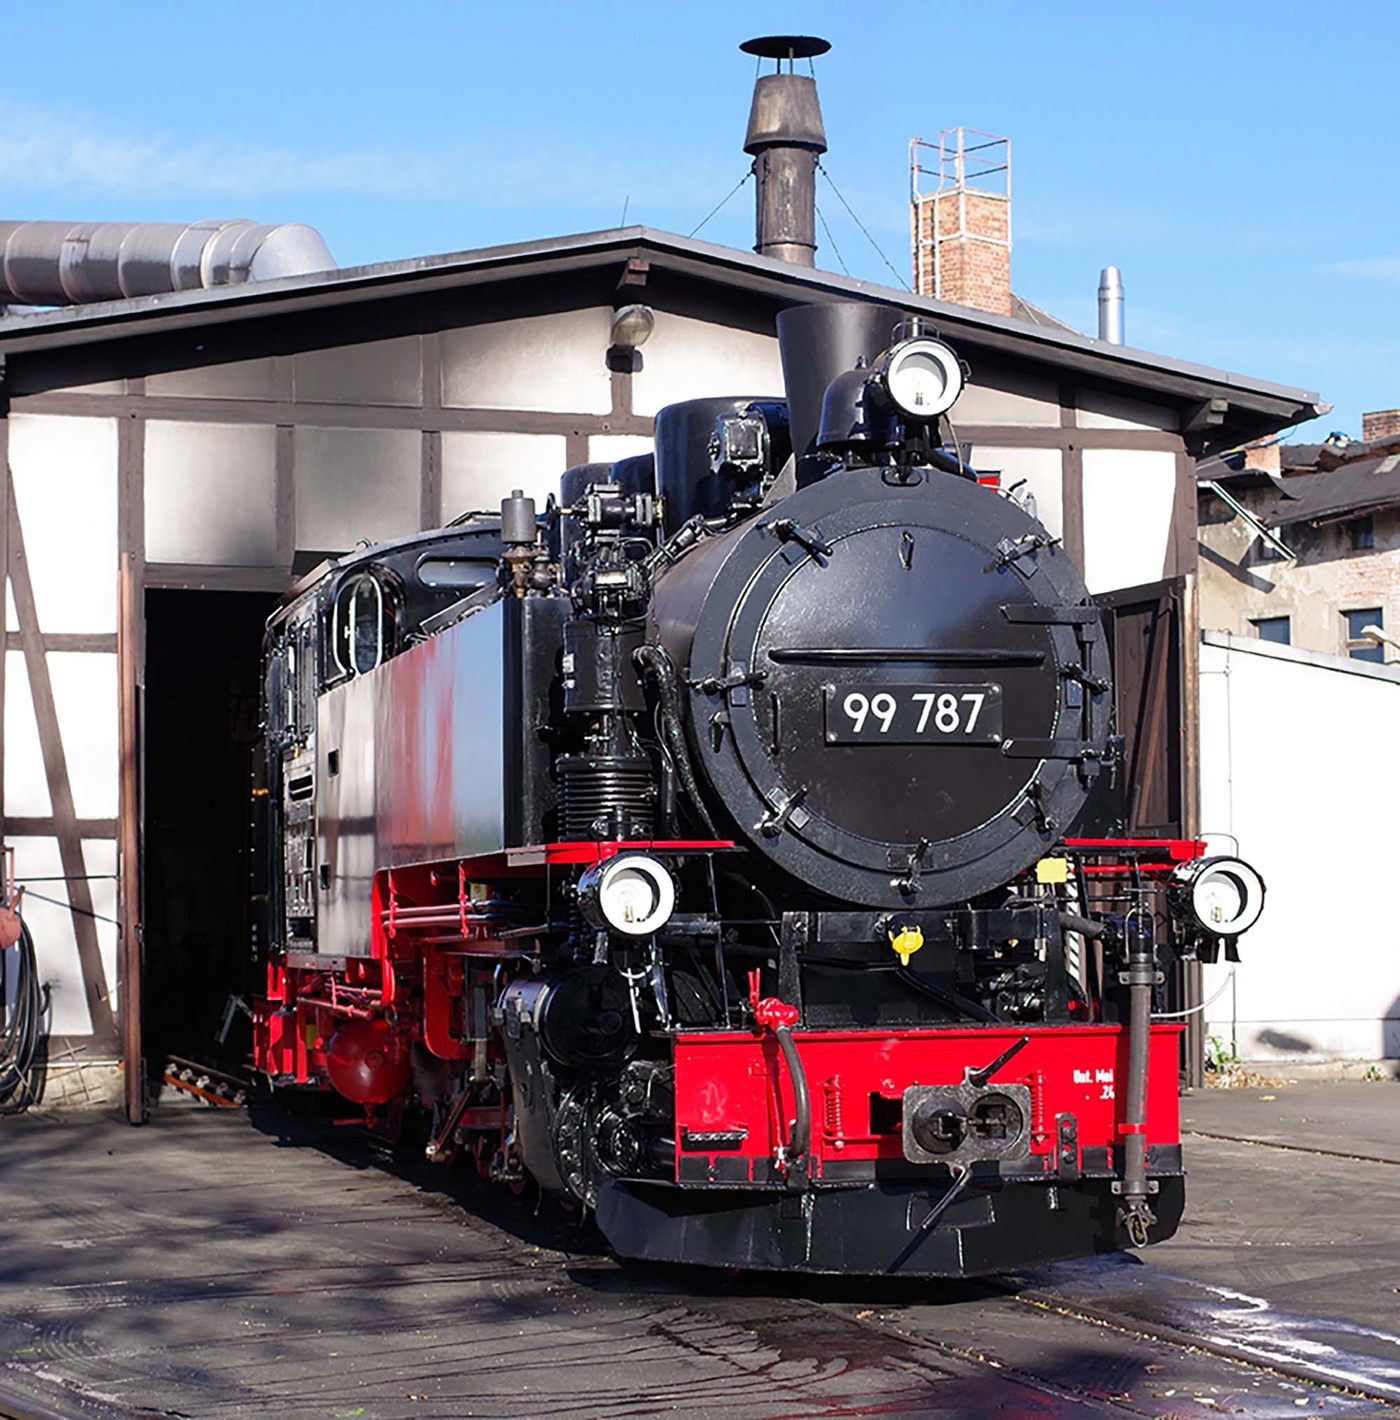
[85,695]
[556,363]
[696,359]
[234,379]
[1129,495]
[1320,975]
[211,493]
[1040,472]
[100,859]
[608,448]
[26,784]
[11,616]
[377,372]
[64,466]
[37,863]
[356,483]
[96,387]
[997,397]
[478,470]
[1110,411]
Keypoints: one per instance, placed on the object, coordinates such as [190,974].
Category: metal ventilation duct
[69,264]
[1111,305]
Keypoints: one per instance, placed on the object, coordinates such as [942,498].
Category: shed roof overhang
[1218,409]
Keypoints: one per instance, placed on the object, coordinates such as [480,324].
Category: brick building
[1301,545]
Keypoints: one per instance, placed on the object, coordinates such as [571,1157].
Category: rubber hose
[1084,926]
[801,1139]
[656,661]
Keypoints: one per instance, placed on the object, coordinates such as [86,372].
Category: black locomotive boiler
[719,849]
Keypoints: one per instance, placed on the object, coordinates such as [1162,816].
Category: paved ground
[209,1267]
[1290,1248]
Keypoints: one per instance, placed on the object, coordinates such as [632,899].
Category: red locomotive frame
[429,935]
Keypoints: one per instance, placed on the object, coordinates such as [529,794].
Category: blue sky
[1236,160]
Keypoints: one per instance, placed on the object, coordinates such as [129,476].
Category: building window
[1363,534]
[1273,628]
[1361,647]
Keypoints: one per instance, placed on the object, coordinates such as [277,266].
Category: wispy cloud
[54,150]
[1372,268]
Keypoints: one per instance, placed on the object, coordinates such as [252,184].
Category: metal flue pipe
[68,264]
[1111,305]
[786,138]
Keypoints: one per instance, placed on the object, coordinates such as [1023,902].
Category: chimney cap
[786,46]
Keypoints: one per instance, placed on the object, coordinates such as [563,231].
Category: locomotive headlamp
[631,894]
[923,377]
[1221,896]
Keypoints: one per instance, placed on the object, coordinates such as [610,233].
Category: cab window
[363,635]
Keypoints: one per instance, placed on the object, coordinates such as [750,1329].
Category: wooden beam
[46,826]
[129,968]
[1072,504]
[1207,414]
[333,416]
[99,642]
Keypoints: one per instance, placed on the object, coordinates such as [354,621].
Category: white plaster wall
[696,359]
[211,493]
[1003,397]
[233,379]
[62,465]
[608,448]
[478,470]
[1128,500]
[556,363]
[1110,411]
[355,483]
[46,910]
[1040,472]
[65,475]
[1300,762]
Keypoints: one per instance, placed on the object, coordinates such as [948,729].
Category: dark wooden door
[1153,631]
[1148,627]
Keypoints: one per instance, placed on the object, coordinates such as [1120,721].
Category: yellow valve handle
[906,942]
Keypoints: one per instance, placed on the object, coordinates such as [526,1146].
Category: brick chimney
[1380,425]
[962,224]
[1265,457]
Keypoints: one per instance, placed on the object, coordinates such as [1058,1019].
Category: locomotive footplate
[875,1228]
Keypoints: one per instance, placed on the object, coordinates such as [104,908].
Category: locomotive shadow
[528,1217]
[535,1221]
[827,1289]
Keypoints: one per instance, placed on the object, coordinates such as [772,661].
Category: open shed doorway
[200,718]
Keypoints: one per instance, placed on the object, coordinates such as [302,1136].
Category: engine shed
[176,463]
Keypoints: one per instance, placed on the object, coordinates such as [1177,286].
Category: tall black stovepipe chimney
[786,138]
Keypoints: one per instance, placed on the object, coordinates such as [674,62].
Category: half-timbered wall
[233,459]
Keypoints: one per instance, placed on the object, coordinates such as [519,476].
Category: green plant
[1220,1057]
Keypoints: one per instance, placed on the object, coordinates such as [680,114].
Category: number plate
[913,714]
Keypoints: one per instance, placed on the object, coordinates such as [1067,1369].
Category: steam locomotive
[723,846]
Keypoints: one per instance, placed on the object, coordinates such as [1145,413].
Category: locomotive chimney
[786,138]
[819,342]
